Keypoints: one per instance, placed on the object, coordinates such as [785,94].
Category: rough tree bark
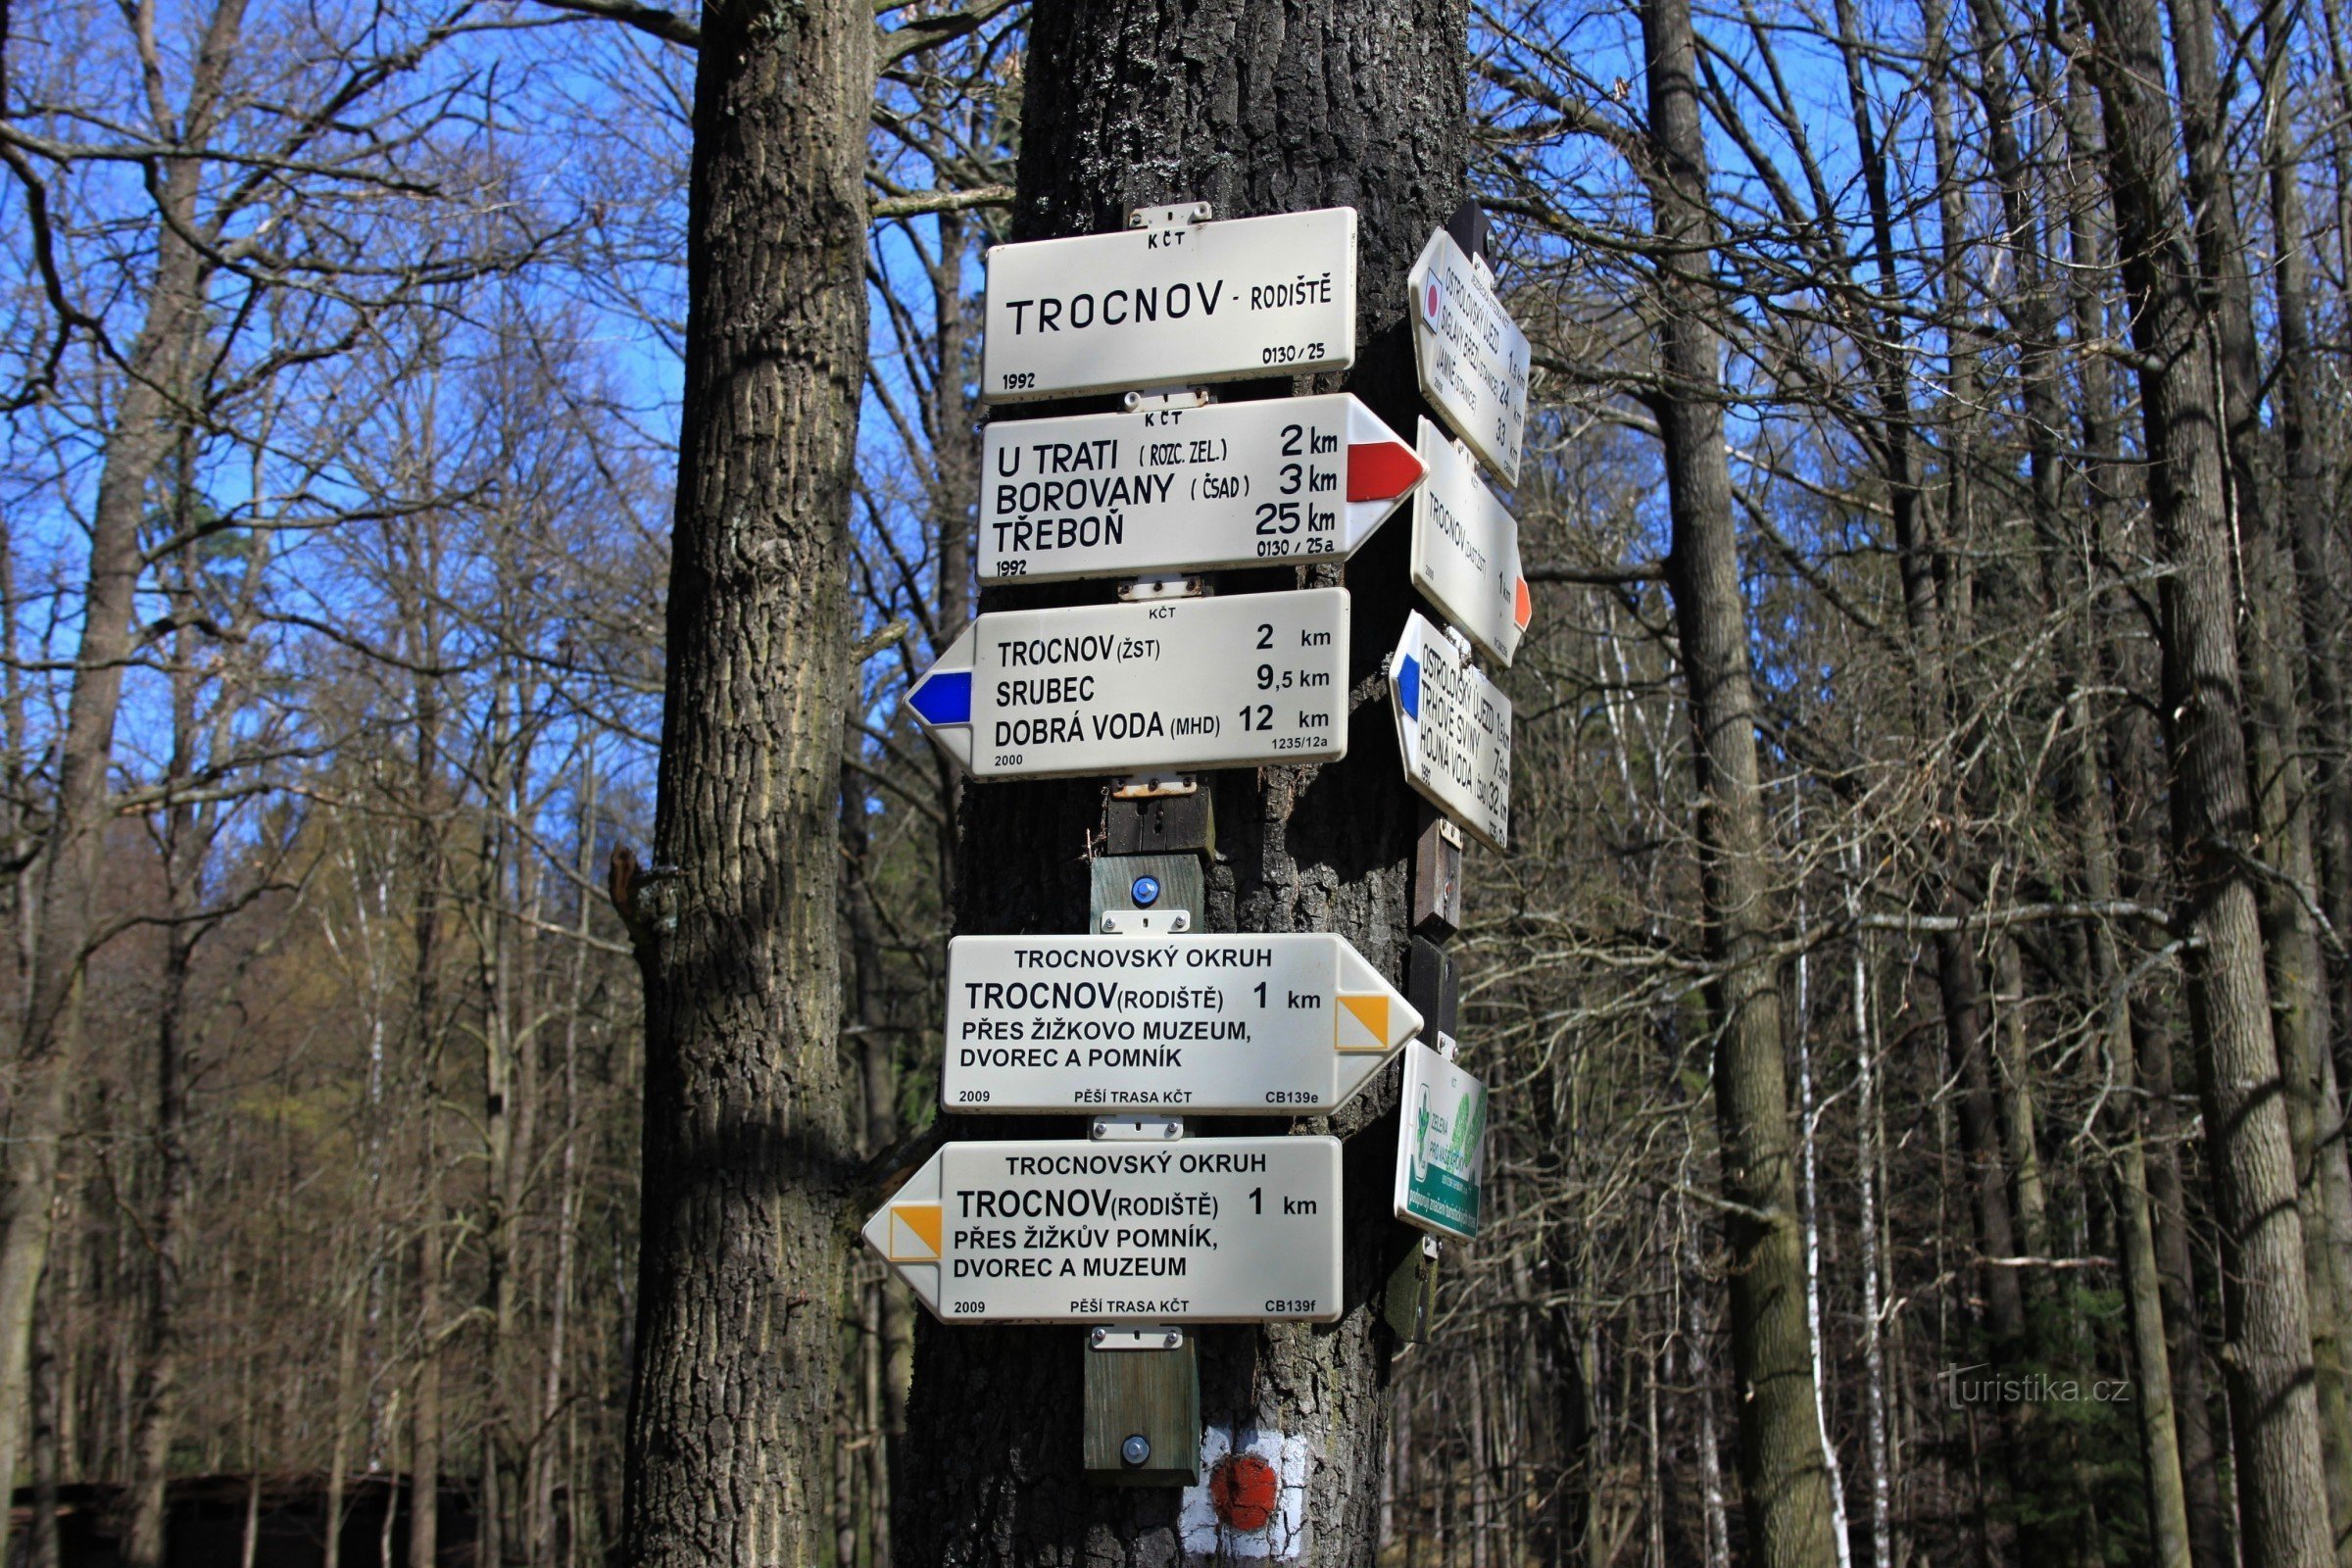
[2129,753]
[429,807]
[2298,991]
[735,925]
[156,1390]
[1782,1473]
[1254,109]
[2280,1480]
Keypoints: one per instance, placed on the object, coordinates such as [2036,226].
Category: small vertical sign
[1441,1152]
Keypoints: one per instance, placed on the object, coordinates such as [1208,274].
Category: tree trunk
[2281,1481]
[888,1336]
[428,806]
[2129,755]
[68,869]
[156,1402]
[2320,619]
[2281,817]
[544,1526]
[338,1453]
[1254,109]
[1780,1466]
[1813,1224]
[424,1465]
[2144,1282]
[2308,517]
[51,1396]
[747,1139]
[1878,1437]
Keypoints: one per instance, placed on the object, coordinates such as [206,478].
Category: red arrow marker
[1382,470]
[1523,609]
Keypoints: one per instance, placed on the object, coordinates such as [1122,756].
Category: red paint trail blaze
[1378,470]
[1244,1489]
[1523,609]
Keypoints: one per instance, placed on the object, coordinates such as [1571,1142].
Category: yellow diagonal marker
[915,1232]
[1371,1012]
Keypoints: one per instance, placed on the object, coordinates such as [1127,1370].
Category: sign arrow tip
[1408,686]
[1382,470]
[943,697]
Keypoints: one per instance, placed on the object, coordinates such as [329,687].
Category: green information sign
[1442,1153]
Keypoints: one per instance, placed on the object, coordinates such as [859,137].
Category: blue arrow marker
[1408,686]
[944,697]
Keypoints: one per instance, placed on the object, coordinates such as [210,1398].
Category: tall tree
[2282,1503]
[746,1135]
[1254,109]
[49,1028]
[1780,1468]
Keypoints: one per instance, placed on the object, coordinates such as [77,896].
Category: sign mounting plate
[1171,306]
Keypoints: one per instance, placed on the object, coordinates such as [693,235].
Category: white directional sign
[1233,484]
[1471,355]
[1466,551]
[1170,306]
[1454,728]
[1199,1230]
[1201,1022]
[1174,684]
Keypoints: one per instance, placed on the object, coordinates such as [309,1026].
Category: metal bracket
[1175,214]
[1437,876]
[1447,1045]
[1136,1336]
[1136,1129]
[1154,588]
[1145,786]
[1179,397]
[1461,644]
[1146,923]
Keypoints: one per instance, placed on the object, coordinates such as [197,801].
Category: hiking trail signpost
[1140,1228]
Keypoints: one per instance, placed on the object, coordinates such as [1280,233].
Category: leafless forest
[342,354]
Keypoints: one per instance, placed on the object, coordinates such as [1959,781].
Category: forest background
[341,369]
